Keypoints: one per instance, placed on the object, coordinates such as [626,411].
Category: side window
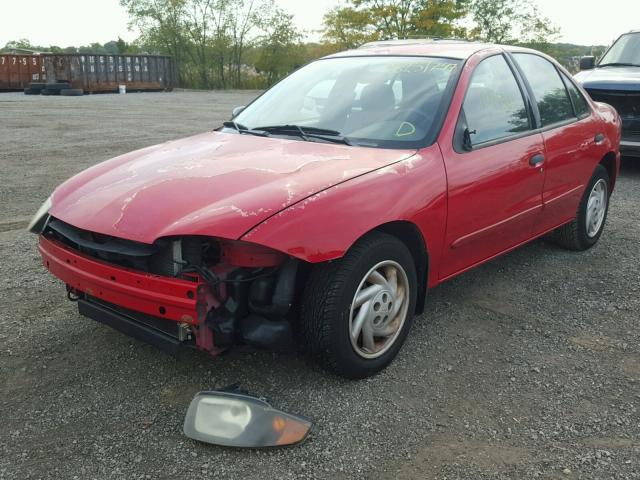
[553,102]
[579,103]
[494,107]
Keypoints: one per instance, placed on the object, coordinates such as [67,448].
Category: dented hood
[216,184]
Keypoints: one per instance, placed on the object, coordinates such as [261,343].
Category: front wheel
[357,311]
[584,232]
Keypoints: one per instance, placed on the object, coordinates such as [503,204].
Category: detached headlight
[40,219]
[237,420]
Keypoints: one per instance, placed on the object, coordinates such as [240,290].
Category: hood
[611,78]
[215,184]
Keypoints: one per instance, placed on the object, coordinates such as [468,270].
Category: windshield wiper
[242,129]
[306,129]
[618,64]
[308,132]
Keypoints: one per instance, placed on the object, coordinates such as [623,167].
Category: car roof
[436,47]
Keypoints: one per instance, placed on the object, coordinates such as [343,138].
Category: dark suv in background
[616,80]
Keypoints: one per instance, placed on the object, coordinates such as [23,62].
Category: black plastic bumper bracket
[129,326]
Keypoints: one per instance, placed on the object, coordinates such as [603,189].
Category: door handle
[536,160]
[599,138]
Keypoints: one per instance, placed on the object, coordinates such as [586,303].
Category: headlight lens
[40,219]
[237,420]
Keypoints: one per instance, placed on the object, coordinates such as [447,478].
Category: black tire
[47,92]
[35,88]
[327,300]
[72,92]
[57,86]
[574,235]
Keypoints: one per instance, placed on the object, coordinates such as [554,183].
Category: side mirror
[467,144]
[587,63]
[236,111]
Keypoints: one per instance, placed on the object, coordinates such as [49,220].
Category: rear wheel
[357,311]
[585,231]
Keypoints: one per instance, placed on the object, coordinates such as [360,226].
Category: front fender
[324,226]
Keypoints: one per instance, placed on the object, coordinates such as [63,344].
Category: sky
[81,22]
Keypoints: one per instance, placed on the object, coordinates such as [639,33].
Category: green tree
[365,20]
[197,21]
[24,44]
[440,18]
[123,47]
[112,47]
[348,28]
[510,22]
[162,27]
[209,39]
[280,51]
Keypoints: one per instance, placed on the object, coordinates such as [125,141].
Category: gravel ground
[527,367]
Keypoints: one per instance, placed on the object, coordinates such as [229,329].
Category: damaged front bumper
[170,312]
[163,311]
[164,297]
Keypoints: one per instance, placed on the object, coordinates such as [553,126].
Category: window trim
[565,78]
[531,105]
[461,122]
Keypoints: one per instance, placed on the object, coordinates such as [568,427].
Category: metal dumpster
[104,73]
[17,71]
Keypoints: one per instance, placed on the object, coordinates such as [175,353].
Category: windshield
[385,101]
[626,50]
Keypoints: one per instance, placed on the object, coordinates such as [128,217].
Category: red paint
[494,199]
[114,284]
[245,254]
[214,184]
[18,71]
[571,152]
[314,200]
[325,225]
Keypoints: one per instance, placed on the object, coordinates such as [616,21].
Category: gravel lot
[527,367]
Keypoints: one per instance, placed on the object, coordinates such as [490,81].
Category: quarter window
[579,103]
[494,107]
[553,102]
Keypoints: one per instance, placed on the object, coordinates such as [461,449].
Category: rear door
[494,170]
[571,138]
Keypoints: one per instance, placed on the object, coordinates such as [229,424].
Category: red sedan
[323,211]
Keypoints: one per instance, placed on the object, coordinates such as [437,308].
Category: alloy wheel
[379,309]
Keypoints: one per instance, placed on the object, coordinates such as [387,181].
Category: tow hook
[72,294]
